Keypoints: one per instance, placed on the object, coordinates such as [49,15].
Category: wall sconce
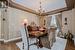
[65,21]
[25,21]
[44,22]
[3,19]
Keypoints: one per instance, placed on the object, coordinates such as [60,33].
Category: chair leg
[37,43]
[23,46]
[28,47]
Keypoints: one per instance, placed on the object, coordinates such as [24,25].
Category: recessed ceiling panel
[46,5]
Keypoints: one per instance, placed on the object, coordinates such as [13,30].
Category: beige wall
[70,15]
[73,21]
[15,18]
[0,24]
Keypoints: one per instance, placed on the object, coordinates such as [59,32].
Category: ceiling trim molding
[70,4]
[55,11]
[18,6]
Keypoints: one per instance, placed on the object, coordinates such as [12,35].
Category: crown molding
[70,5]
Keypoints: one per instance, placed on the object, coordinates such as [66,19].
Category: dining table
[38,34]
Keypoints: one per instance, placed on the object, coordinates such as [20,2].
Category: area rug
[60,44]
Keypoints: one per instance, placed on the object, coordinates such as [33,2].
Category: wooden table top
[37,33]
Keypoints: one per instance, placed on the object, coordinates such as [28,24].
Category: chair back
[24,37]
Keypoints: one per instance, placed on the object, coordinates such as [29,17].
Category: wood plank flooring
[70,45]
[12,46]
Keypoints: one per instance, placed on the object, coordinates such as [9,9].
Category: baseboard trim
[11,40]
[1,41]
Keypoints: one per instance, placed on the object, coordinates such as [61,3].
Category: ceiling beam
[18,6]
[15,5]
[55,11]
[70,4]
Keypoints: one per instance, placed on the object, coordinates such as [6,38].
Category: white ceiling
[47,5]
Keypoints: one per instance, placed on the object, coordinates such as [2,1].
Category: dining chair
[26,41]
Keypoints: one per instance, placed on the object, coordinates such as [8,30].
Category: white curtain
[51,35]
[59,21]
[48,21]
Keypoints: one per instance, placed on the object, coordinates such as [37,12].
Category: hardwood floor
[70,45]
[12,46]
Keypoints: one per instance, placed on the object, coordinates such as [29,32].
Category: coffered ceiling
[46,5]
[49,6]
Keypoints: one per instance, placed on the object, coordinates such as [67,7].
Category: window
[53,21]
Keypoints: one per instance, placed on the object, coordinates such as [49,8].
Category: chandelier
[41,10]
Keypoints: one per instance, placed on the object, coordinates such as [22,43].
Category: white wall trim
[1,39]
[10,40]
